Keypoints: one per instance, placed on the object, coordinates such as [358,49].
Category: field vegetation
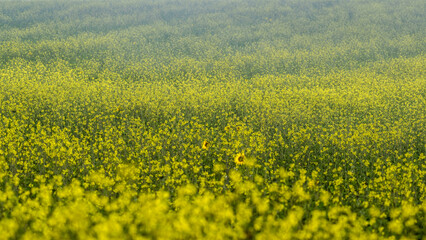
[213,119]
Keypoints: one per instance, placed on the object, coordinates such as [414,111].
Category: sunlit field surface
[213,119]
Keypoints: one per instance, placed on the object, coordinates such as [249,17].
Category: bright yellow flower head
[205,145]
[239,159]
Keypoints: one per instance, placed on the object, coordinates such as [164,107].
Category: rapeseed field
[225,119]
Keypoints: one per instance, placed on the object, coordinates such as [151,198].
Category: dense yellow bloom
[242,135]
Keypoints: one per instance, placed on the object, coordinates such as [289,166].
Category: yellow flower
[205,145]
[239,159]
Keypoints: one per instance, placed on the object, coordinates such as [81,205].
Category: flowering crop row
[188,125]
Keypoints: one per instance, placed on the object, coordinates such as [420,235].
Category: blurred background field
[212,119]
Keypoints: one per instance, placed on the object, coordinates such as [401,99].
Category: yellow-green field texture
[212,119]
